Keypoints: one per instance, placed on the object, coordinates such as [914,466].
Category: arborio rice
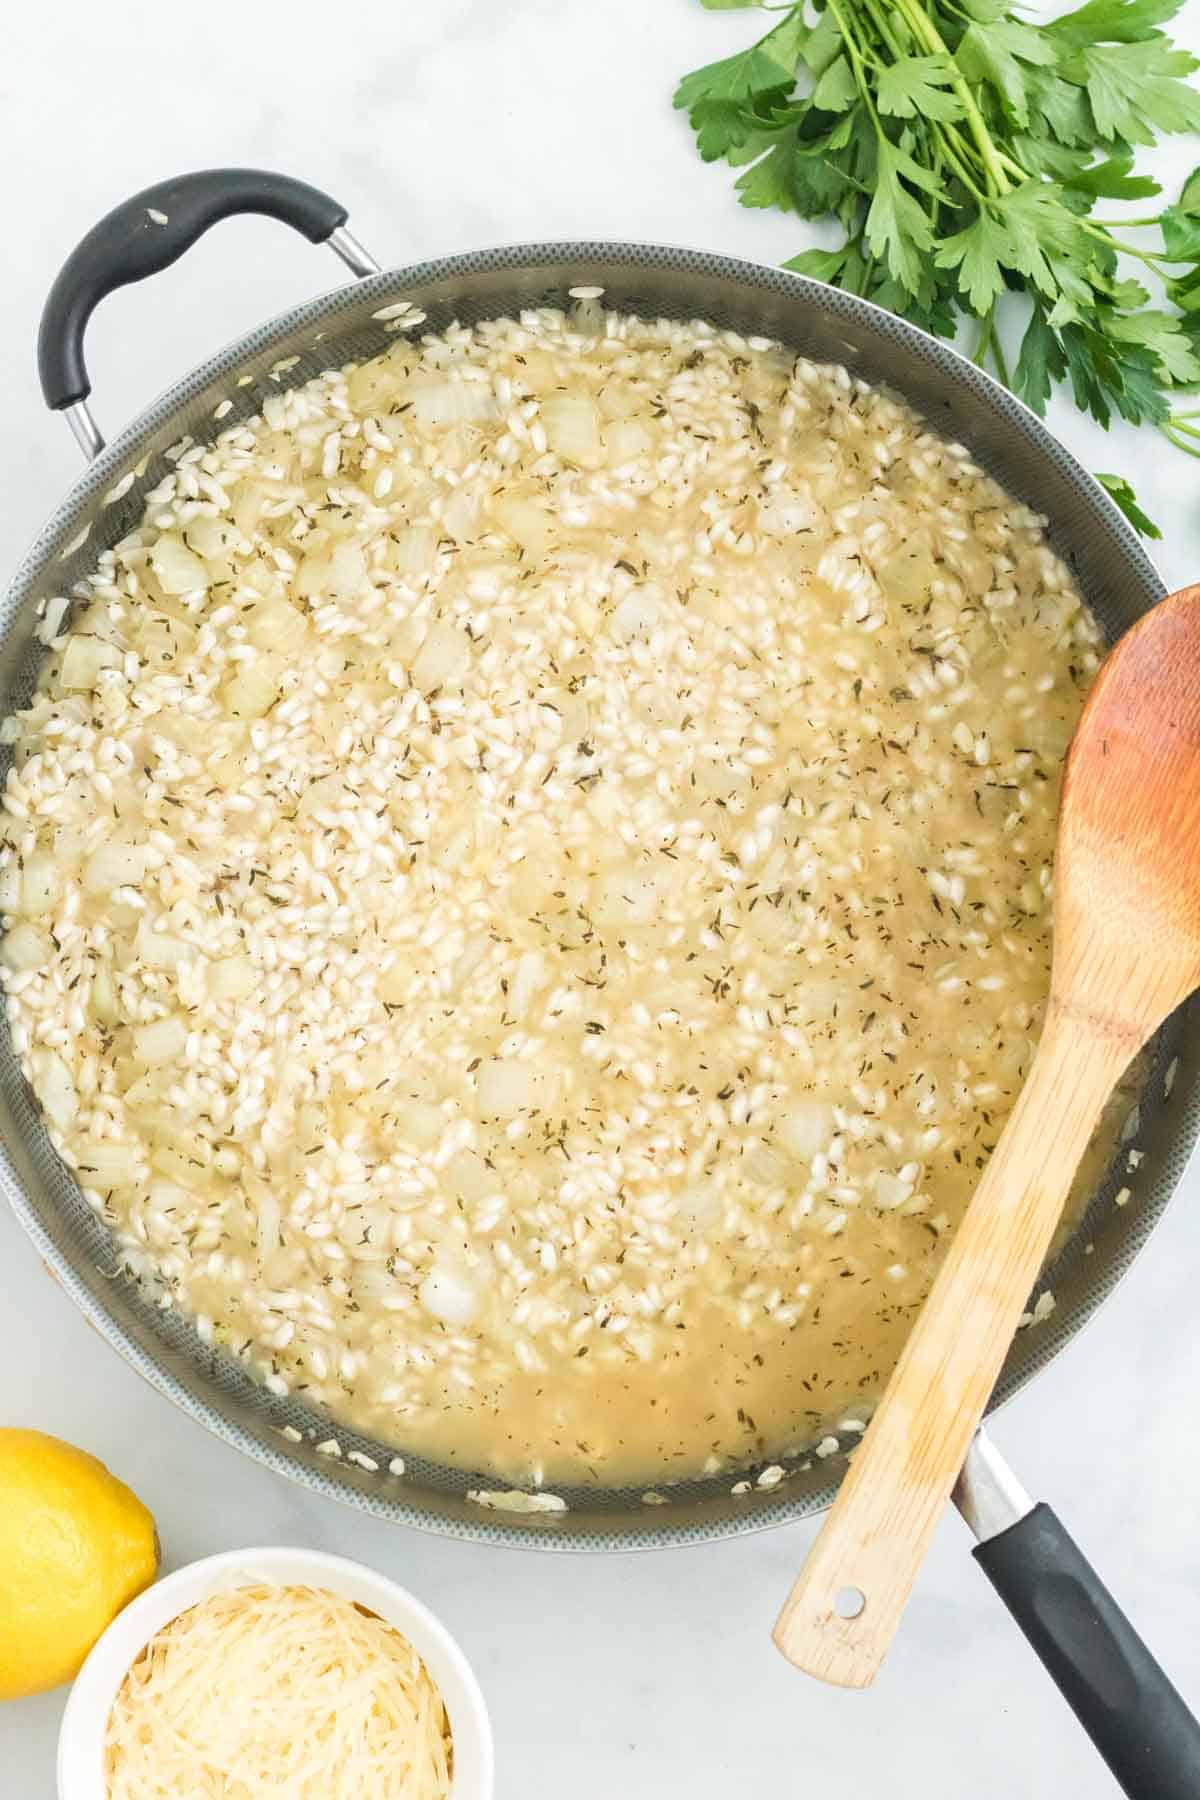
[526,885]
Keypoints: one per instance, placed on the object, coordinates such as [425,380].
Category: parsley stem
[1014,168]
[926,32]
[988,343]
[1125,224]
[1096,230]
[955,157]
[879,17]
[1172,432]
[854,52]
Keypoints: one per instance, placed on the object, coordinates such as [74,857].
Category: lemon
[75,1547]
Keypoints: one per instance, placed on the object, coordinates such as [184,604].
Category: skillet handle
[1133,1714]
[150,232]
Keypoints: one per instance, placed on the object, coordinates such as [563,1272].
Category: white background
[446,125]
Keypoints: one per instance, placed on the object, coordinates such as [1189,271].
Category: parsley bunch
[963,151]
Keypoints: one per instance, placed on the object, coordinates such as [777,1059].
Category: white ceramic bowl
[81,1739]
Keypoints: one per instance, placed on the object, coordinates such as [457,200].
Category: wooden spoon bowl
[1126,953]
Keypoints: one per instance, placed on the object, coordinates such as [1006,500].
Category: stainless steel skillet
[153,230]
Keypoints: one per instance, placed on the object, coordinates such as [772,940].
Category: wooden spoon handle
[875,1537]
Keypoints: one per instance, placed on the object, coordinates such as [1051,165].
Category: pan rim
[443,1514]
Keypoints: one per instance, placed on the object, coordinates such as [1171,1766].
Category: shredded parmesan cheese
[278,1691]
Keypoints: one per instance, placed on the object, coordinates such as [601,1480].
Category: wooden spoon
[1126,953]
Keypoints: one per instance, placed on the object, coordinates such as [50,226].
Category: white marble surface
[457,123]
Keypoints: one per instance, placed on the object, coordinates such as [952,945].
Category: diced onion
[468,1177]
[507,1088]
[636,615]
[698,1207]
[274,625]
[231,978]
[104,997]
[83,659]
[529,977]
[105,1163]
[249,500]
[212,538]
[806,1128]
[448,1295]
[159,949]
[41,884]
[313,575]
[254,689]
[10,886]
[784,514]
[161,1041]
[451,402]
[625,440]
[412,550]
[56,611]
[395,984]
[444,657]
[114,865]
[182,1161]
[55,1088]
[769,1167]
[347,570]
[572,427]
[145,1097]
[890,1191]
[527,522]
[178,569]
[269,1215]
[24,948]
[420,1122]
[460,515]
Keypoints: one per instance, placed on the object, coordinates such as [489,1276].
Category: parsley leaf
[1112,180]
[1061,106]
[1163,335]
[977,253]
[721,96]
[1181,223]
[916,86]
[769,181]
[1136,89]
[1046,242]
[1109,21]
[822,265]
[995,52]
[1181,235]
[898,228]
[837,88]
[1119,490]
[1041,363]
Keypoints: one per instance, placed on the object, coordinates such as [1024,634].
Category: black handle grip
[1132,1713]
[149,233]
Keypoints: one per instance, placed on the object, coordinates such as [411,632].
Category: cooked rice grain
[527,885]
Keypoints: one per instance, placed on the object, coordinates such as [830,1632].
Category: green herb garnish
[963,151]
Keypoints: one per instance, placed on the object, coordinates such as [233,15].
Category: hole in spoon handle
[837,1623]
